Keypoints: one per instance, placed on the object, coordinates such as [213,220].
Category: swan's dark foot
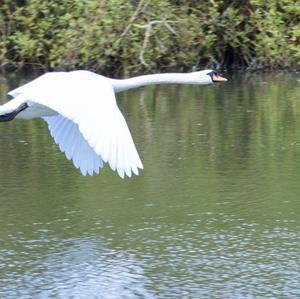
[11,115]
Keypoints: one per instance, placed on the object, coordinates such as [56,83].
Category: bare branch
[147,35]
[140,8]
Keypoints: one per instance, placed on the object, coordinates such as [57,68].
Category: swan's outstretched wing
[90,120]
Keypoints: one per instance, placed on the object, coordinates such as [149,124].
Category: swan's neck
[167,78]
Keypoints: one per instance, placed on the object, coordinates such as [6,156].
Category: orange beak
[218,78]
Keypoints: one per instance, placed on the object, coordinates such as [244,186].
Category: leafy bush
[122,37]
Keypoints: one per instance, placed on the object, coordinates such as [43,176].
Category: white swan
[83,117]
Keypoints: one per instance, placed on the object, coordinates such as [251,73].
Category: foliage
[120,36]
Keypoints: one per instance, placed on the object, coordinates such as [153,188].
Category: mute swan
[83,117]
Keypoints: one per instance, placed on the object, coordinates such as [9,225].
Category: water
[214,214]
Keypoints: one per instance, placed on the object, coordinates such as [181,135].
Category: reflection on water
[214,214]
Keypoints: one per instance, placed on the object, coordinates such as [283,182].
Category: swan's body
[83,117]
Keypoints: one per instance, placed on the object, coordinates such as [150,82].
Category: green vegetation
[122,37]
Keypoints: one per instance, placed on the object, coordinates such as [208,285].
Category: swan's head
[207,77]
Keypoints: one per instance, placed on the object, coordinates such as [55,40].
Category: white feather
[66,134]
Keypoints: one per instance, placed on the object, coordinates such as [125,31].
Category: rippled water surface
[214,214]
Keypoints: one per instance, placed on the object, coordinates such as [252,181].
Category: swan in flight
[83,117]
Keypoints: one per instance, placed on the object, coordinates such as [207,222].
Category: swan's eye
[213,73]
